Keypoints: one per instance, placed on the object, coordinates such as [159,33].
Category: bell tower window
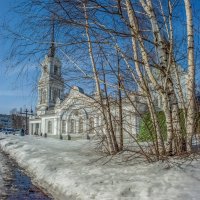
[43,96]
[55,94]
[55,70]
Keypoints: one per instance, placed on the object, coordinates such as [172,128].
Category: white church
[77,113]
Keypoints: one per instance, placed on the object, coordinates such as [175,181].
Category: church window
[49,127]
[116,127]
[76,113]
[55,95]
[50,91]
[37,128]
[55,70]
[44,94]
[116,124]
[137,124]
[80,125]
[63,126]
[40,93]
[97,121]
[91,124]
[72,126]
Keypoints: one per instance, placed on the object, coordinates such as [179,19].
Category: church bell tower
[51,83]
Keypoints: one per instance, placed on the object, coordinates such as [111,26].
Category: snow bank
[67,170]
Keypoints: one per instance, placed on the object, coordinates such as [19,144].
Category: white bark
[94,68]
[97,83]
[134,31]
[191,76]
[148,7]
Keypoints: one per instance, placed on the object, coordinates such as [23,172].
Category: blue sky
[15,91]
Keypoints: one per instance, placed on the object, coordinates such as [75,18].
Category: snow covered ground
[70,170]
[3,171]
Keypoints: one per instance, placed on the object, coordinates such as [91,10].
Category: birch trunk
[191,76]
[134,31]
[110,123]
[166,62]
[120,85]
[148,7]
[97,83]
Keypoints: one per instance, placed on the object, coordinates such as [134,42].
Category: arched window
[80,125]
[37,128]
[59,94]
[55,94]
[41,92]
[97,121]
[91,124]
[50,93]
[44,96]
[116,127]
[137,120]
[63,126]
[55,70]
[72,126]
[49,127]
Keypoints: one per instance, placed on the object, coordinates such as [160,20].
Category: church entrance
[76,122]
[37,128]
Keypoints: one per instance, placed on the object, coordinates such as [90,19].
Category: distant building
[18,121]
[5,121]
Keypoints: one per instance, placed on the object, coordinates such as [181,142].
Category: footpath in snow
[70,170]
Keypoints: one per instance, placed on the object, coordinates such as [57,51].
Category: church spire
[52,48]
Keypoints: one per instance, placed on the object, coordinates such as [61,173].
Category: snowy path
[67,170]
[14,184]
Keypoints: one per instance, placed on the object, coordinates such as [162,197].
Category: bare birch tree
[191,76]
